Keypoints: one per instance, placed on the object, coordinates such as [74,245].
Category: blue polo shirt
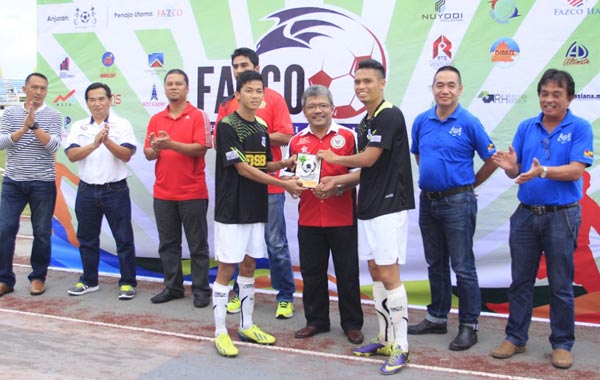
[446,148]
[571,141]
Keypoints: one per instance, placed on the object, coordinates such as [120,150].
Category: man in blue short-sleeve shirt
[547,159]
[445,139]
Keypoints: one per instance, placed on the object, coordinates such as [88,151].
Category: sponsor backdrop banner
[501,47]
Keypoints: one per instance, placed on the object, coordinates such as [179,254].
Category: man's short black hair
[372,64]
[248,76]
[36,75]
[178,71]
[448,68]
[245,52]
[562,78]
[95,86]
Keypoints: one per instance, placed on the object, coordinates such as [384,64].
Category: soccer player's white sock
[397,303]
[220,294]
[246,285]
[383,315]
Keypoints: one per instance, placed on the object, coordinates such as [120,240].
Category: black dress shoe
[201,300]
[466,338]
[165,296]
[427,327]
[310,330]
[354,336]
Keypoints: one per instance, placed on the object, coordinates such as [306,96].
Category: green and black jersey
[240,200]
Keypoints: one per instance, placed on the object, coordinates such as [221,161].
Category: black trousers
[315,244]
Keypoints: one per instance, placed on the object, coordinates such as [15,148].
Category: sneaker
[285,310]
[395,362]
[374,347]
[225,346]
[256,335]
[126,292]
[233,306]
[80,289]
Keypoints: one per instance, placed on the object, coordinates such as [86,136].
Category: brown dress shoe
[506,349]
[5,289]
[354,336]
[37,287]
[310,330]
[562,358]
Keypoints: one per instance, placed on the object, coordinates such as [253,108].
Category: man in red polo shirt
[326,223]
[274,112]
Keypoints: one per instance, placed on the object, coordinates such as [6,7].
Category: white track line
[273,348]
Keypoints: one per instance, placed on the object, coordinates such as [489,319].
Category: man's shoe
[285,310]
[374,347]
[37,287]
[428,327]
[256,335]
[562,358]
[506,349]
[80,289]
[5,289]
[466,338]
[354,336]
[233,306]
[225,346]
[395,362]
[126,292]
[165,296]
[310,330]
[201,300]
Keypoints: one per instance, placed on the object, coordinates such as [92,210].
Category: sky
[18,38]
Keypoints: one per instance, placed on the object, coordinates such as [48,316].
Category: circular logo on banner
[338,141]
[323,46]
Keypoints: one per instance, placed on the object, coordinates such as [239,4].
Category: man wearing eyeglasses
[326,223]
[444,141]
[31,135]
[547,159]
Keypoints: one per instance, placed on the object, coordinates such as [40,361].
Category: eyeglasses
[322,107]
[546,144]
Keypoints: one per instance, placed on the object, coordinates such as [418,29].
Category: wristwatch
[339,190]
[34,126]
[544,172]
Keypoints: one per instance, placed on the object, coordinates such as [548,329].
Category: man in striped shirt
[31,134]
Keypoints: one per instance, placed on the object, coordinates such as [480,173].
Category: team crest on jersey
[304,149]
[338,141]
[564,138]
[263,141]
[455,131]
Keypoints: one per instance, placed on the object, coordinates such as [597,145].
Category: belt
[436,195]
[109,184]
[539,210]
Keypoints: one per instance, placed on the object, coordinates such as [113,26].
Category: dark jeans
[315,244]
[41,196]
[170,216]
[555,234]
[93,202]
[447,227]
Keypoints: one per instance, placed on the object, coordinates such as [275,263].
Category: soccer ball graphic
[329,45]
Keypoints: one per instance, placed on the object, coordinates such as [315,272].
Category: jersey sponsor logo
[257,159]
[564,138]
[232,155]
[375,138]
[455,131]
[338,141]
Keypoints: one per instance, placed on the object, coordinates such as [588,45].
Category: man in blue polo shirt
[547,159]
[444,140]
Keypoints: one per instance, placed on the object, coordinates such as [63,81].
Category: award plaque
[308,169]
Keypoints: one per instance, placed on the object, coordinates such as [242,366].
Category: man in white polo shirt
[101,145]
